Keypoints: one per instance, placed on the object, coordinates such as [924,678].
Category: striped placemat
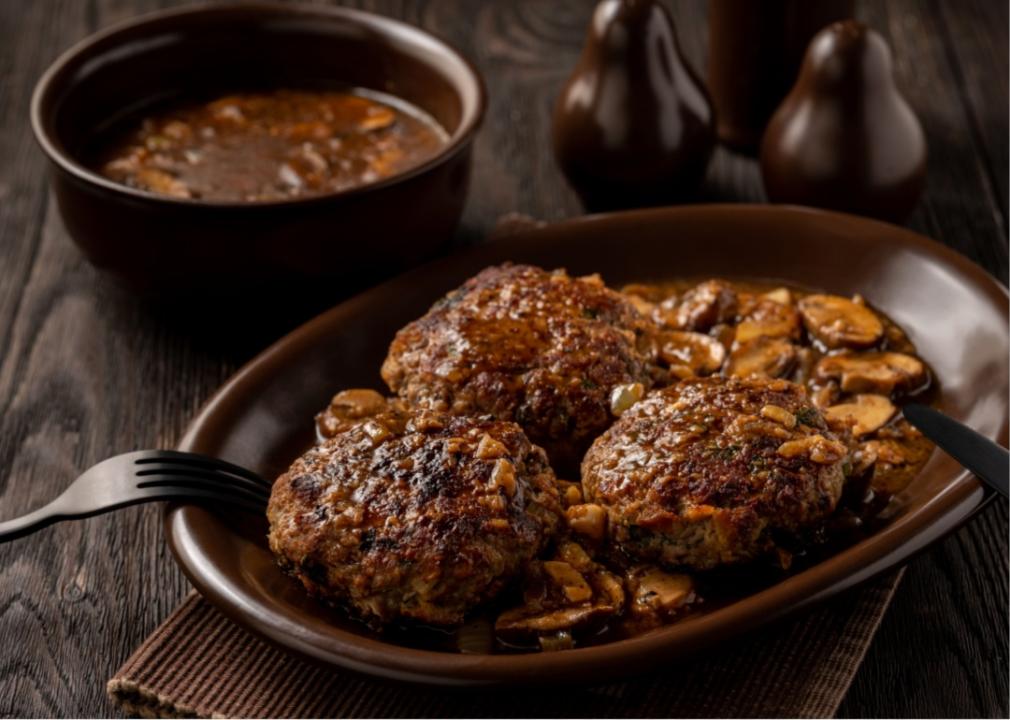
[200,664]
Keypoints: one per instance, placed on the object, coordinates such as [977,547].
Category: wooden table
[86,373]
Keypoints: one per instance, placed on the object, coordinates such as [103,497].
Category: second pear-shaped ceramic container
[844,138]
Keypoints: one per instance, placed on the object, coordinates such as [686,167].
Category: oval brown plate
[955,313]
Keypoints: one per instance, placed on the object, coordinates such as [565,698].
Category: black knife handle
[979,454]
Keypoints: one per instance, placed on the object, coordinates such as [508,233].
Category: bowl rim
[959,500]
[471,120]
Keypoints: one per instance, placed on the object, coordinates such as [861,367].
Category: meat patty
[540,348]
[715,471]
[413,515]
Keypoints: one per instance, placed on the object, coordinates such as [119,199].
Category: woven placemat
[200,664]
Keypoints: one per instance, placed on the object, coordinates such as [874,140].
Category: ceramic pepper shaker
[844,138]
[755,50]
[633,126]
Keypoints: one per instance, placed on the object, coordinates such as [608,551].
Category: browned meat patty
[414,515]
[540,348]
[714,471]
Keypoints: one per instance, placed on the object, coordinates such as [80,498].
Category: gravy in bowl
[268,146]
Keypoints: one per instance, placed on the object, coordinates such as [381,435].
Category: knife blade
[987,460]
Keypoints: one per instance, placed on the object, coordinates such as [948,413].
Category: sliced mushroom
[723,333]
[576,556]
[570,580]
[523,622]
[567,594]
[899,451]
[643,306]
[863,456]
[770,357]
[656,595]
[863,414]
[349,406]
[806,358]
[357,403]
[780,295]
[691,353]
[877,372]
[703,306]
[651,293]
[588,519]
[475,637]
[561,640]
[769,318]
[824,395]
[896,340]
[896,463]
[609,588]
[839,322]
[658,591]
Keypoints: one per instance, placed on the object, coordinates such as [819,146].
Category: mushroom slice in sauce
[769,318]
[862,413]
[771,357]
[780,295]
[875,372]
[350,406]
[475,637]
[645,291]
[655,596]
[703,306]
[839,322]
[561,597]
[690,353]
[656,591]
[643,306]
[897,454]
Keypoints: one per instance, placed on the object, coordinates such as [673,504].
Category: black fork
[147,476]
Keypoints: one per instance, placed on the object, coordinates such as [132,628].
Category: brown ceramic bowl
[163,244]
[955,313]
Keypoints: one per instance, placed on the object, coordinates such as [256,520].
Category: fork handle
[53,513]
[35,520]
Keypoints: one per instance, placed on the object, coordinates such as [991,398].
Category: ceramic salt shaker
[633,126]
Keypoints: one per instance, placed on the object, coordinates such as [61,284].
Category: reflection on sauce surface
[274,145]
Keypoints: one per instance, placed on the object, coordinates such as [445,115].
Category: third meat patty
[562,356]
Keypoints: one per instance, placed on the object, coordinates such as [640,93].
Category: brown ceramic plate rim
[474,98]
[894,544]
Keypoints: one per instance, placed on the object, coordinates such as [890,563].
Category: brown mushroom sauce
[856,363]
[274,145]
[858,367]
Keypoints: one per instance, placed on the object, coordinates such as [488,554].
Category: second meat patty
[715,471]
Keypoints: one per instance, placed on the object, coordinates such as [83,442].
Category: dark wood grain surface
[85,372]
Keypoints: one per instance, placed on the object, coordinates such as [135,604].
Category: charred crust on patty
[713,470]
[411,515]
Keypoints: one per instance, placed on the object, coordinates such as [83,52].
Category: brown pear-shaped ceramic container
[844,138]
[633,125]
